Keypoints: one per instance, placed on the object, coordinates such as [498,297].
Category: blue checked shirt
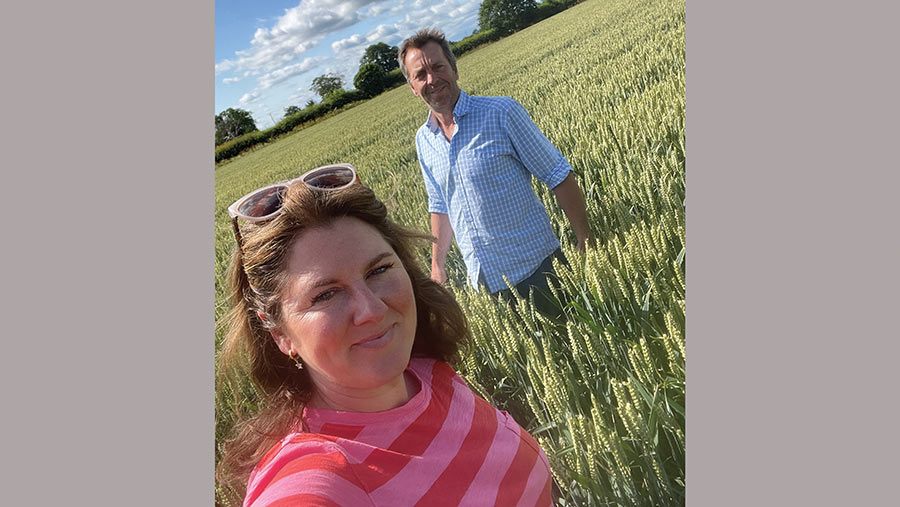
[481,179]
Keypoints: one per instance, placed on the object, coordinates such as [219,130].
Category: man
[477,156]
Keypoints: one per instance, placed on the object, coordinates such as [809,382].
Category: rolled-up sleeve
[534,150]
[436,202]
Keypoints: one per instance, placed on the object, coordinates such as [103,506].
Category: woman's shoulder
[304,467]
[430,369]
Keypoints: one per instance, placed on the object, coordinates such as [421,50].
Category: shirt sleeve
[307,473]
[534,150]
[436,202]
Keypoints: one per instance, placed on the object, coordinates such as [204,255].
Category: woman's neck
[383,398]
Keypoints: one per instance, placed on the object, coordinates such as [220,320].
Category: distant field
[604,395]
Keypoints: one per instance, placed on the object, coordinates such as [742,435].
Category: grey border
[793,248]
[108,279]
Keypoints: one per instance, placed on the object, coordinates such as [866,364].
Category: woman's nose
[368,307]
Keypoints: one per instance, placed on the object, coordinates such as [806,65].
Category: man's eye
[324,296]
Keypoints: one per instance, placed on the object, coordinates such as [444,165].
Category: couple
[349,341]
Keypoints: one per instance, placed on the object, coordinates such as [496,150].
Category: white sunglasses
[265,203]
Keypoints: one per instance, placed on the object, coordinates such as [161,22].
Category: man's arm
[441,230]
[571,200]
[547,164]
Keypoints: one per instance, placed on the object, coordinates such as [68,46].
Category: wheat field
[604,391]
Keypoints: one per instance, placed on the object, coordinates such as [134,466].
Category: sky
[269,51]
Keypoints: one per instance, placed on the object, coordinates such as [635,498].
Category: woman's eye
[324,296]
[381,269]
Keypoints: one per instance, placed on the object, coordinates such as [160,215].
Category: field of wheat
[603,392]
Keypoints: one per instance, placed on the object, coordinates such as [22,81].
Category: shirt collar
[459,110]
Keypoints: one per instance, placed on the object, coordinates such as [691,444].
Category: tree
[288,111]
[370,79]
[505,16]
[232,123]
[381,54]
[327,83]
[309,103]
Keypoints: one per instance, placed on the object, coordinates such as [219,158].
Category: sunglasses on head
[265,203]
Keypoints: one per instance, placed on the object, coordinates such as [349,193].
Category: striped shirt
[481,179]
[445,446]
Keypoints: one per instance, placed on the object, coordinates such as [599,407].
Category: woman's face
[349,309]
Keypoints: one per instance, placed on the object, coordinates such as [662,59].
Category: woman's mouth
[376,341]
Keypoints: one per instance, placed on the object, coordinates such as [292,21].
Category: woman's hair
[257,278]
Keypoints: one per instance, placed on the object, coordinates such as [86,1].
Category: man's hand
[571,200]
[443,233]
[438,274]
[585,242]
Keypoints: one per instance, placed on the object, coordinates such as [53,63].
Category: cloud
[284,73]
[229,80]
[353,41]
[297,31]
[381,33]
[450,16]
[249,98]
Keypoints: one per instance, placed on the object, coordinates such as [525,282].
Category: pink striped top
[445,446]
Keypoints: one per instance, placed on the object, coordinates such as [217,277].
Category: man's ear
[281,340]
[411,87]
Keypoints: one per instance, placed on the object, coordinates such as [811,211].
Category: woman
[349,343]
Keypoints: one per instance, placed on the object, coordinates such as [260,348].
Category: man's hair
[417,41]
[258,279]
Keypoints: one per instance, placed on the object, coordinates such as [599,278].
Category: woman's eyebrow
[375,260]
[328,281]
[323,282]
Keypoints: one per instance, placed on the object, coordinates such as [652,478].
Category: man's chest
[471,158]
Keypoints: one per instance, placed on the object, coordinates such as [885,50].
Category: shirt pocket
[488,164]
[485,148]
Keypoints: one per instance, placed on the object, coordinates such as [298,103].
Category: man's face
[432,78]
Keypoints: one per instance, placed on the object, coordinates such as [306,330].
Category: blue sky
[269,51]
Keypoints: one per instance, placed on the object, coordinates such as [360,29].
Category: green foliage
[548,8]
[337,100]
[291,110]
[370,79]
[505,16]
[393,79]
[381,54]
[327,84]
[473,41]
[232,123]
[341,97]
[604,391]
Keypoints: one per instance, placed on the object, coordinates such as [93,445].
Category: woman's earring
[296,359]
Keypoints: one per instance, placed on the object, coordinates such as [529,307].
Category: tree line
[379,70]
